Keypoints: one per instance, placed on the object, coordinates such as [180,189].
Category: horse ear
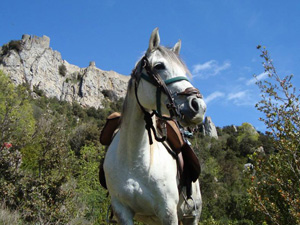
[154,40]
[177,47]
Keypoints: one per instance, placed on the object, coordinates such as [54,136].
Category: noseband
[161,86]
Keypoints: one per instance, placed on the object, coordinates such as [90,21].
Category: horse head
[162,85]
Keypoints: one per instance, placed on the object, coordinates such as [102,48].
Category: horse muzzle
[192,111]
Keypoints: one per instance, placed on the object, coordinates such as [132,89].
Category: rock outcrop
[32,61]
[260,150]
[209,128]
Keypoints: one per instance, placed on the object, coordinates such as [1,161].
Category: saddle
[187,162]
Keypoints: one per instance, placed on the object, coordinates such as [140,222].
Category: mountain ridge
[32,61]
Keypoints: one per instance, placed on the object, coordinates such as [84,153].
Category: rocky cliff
[208,128]
[32,61]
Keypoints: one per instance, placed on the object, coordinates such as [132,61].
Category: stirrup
[194,213]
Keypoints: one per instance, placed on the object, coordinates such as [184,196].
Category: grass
[9,218]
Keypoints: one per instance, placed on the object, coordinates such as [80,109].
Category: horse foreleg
[170,221]
[168,215]
[190,221]
[122,213]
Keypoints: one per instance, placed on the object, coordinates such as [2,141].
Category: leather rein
[161,86]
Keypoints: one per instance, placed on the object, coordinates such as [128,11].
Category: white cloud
[242,98]
[259,77]
[237,95]
[209,68]
[214,95]
[205,66]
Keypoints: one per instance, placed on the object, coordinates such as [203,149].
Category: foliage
[16,121]
[38,91]
[42,180]
[247,130]
[31,180]
[91,193]
[62,69]
[10,162]
[9,217]
[50,173]
[84,134]
[223,179]
[12,45]
[275,191]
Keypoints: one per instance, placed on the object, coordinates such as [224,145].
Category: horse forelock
[167,53]
[173,58]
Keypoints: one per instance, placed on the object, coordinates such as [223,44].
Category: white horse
[141,177]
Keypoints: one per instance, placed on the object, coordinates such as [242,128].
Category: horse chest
[142,187]
[145,182]
[144,196]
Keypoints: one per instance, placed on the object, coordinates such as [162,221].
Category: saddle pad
[174,137]
[111,125]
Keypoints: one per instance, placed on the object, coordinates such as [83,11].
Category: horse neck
[134,141]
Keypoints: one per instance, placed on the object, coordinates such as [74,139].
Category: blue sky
[219,40]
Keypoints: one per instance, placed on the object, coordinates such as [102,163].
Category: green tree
[84,134]
[247,130]
[92,195]
[41,187]
[17,123]
[275,191]
[223,182]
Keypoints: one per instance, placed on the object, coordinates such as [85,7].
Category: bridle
[161,87]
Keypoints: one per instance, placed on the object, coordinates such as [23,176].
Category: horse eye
[160,66]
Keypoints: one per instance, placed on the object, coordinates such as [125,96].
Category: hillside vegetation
[50,154]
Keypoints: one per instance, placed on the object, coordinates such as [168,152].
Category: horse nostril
[195,105]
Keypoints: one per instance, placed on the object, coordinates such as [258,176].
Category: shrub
[15,45]
[62,69]
[275,191]
[12,45]
[38,91]
[92,194]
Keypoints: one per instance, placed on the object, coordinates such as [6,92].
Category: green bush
[12,45]
[91,193]
[275,191]
[62,69]
[15,45]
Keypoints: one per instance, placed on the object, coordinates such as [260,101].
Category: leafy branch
[275,190]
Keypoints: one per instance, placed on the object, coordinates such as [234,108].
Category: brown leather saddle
[187,162]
